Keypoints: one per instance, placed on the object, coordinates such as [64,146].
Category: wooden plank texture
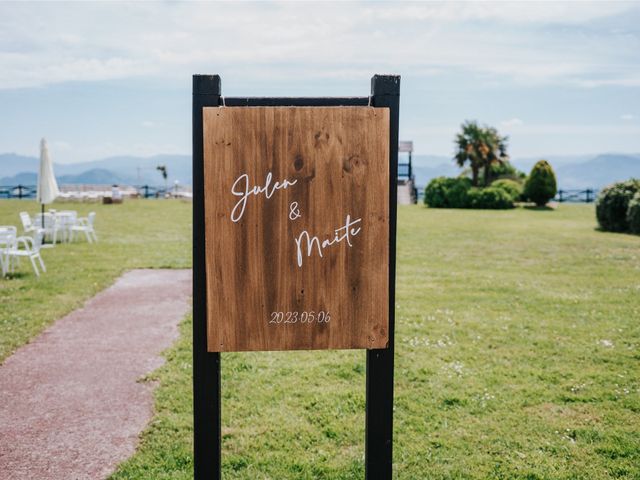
[296,227]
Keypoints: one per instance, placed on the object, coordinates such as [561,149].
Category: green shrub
[443,192]
[458,193]
[489,198]
[613,203]
[540,186]
[435,193]
[633,214]
[513,188]
[499,171]
[505,170]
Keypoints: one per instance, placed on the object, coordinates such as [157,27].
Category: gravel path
[71,406]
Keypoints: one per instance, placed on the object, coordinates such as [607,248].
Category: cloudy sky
[102,79]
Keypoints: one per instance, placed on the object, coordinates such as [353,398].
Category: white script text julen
[241,188]
[305,243]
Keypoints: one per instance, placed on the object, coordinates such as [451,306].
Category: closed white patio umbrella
[47,185]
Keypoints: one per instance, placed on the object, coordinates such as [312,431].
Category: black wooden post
[385,91]
[206,366]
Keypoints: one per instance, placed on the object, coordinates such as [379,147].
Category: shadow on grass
[619,232]
[546,208]
[16,275]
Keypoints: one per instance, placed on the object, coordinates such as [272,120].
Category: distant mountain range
[126,170]
[600,171]
[578,171]
[95,176]
[572,172]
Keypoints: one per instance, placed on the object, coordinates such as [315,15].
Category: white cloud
[61,144]
[627,116]
[541,139]
[148,124]
[113,149]
[573,129]
[537,129]
[497,42]
[510,12]
[512,122]
[622,79]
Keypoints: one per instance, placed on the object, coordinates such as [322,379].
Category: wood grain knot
[351,162]
[321,139]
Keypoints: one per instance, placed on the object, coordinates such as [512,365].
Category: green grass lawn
[517,351]
[136,234]
[517,356]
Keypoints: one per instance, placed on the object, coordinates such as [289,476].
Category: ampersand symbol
[294,211]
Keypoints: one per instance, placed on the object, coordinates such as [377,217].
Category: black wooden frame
[385,92]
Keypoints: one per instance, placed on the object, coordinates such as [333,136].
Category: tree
[466,142]
[481,147]
[493,149]
[541,186]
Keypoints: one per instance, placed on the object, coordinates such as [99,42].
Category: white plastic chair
[85,225]
[50,227]
[8,236]
[31,249]
[65,220]
[27,224]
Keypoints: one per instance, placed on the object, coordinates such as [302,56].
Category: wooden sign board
[296,227]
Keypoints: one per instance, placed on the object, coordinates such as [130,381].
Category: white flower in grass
[456,368]
[484,398]
[606,343]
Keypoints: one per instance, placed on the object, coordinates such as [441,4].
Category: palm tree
[467,145]
[493,150]
[481,147]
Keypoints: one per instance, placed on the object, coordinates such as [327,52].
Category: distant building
[407,193]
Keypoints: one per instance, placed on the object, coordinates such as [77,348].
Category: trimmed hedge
[541,186]
[443,192]
[612,205]
[633,214]
[490,198]
[513,188]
